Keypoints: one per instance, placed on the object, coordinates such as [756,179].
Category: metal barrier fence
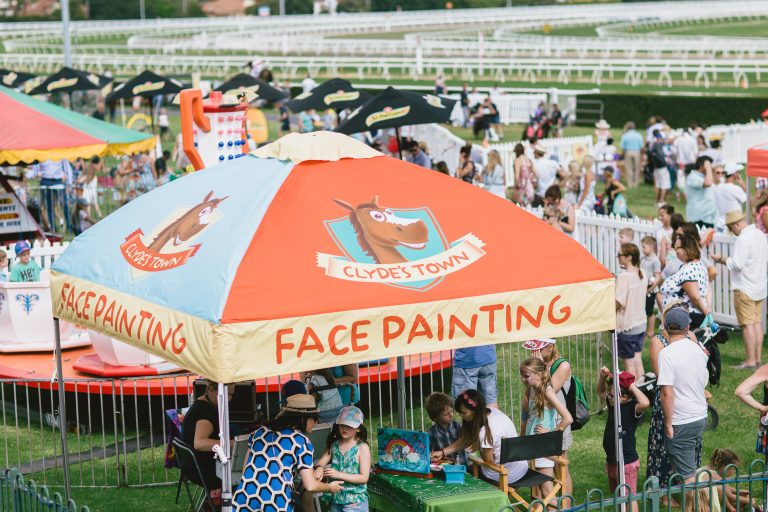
[707,493]
[117,430]
[19,496]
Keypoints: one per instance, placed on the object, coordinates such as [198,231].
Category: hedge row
[678,111]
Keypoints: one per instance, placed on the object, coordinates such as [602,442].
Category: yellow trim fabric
[15,156]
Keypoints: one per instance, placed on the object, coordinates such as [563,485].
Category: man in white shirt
[546,172]
[55,176]
[308,84]
[687,149]
[682,376]
[731,193]
[749,268]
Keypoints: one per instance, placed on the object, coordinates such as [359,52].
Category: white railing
[512,108]
[44,253]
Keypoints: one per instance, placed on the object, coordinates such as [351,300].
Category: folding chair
[186,458]
[529,448]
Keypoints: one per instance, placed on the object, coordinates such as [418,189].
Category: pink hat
[538,344]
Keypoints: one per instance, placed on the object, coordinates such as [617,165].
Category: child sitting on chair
[445,430]
[632,406]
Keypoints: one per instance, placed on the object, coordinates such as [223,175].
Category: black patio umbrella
[146,84]
[243,82]
[14,79]
[394,108]
[68,80]
[336,93]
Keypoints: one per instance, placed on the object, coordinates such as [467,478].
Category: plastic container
[454,474]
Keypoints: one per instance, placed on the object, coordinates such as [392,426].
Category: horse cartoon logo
[170,245]
[402,247]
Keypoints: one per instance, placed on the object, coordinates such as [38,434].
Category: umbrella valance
[394,108]
[335,93]
[146,84]
[260,88]
[68,80]
[263,266]
[42,131]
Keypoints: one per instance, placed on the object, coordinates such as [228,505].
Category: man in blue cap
[683,376]
[26,270]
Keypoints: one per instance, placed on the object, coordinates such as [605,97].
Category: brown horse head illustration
[380,232]
[192,222]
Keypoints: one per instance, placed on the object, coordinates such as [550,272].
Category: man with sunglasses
[417,156]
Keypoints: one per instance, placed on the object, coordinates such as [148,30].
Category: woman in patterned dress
[658,464]
[277,452]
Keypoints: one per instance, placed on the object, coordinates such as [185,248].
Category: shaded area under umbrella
[14,79]
[68,80]
[242,82]
[335,93]
[394,108]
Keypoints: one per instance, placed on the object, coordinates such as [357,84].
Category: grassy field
[734,28]
[575,31]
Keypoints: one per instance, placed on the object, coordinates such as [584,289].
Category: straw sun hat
[301,404]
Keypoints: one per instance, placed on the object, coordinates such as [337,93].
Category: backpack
[709,339]
[576,399]
[658,158]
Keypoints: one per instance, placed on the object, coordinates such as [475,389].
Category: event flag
[317,251]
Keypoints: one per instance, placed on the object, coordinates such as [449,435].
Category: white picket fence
[44,253]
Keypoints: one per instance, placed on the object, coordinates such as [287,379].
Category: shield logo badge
[401,247]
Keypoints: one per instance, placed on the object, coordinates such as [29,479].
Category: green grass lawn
[741,28]
[574,31]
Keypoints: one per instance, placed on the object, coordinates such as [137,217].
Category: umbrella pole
[122,111]
[226,465]
[399,149]
[401,423]
[62,410]
[749,206]
[618,443]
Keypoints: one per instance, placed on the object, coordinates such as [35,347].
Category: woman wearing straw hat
[277,453]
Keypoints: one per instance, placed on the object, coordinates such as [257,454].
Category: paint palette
[404,451]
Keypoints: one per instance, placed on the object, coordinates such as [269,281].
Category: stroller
[709,338]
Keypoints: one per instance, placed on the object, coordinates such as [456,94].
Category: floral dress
[524,188]
[658,463]
[348,463]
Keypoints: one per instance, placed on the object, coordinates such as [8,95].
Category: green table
[395,493]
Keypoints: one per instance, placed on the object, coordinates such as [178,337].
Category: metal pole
[401,423]
[226,466]
[282,7]
[65,27]
[62,409]
[142,12]
[749,206]
[617,413]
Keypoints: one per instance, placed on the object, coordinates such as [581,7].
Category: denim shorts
[350,507]
[630,344]
[482,379]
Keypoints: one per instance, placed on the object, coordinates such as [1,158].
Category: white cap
[732,168]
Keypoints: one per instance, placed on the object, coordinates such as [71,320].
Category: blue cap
[21,247]
[677,319]
[293,387]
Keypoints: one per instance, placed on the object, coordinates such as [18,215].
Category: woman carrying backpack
[560,379]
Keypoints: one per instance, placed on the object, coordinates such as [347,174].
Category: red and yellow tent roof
[318,251]
[33,130]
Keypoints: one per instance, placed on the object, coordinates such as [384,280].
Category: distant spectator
[749,267]
[3,266]
[657,159]
[613,190]
[730,191]
[663,233]
[701,208]
[649,262]
[99,112]
[308,84]
[631,144]
[587,182]
[546,172]
[631,287]
[475,368]
[440,84]
[417,156]
[161,167]
[525,177]
[164,124]
[466,170]
[713,152]
[562,214]
[761,211]
[494,177]
[691,282]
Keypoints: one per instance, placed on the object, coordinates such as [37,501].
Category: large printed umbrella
[68,80]
[267,265]
[335,93]
[242,82]
[14,79]
[42,131]
[394,108]
[146,84]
